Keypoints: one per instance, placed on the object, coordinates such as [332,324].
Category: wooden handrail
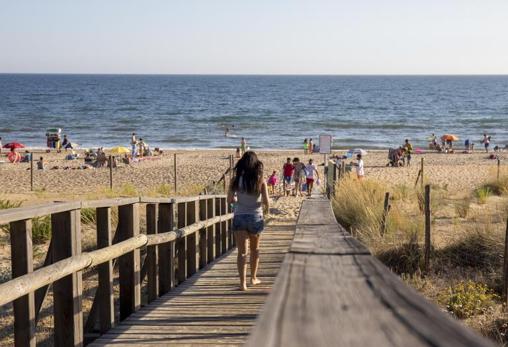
[30,282]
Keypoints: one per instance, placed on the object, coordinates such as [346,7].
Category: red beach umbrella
[14,145]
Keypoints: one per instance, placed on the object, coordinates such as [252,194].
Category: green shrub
[88,216]
[482,194]
[6,204]
[164,190]
[468,298]
[497,187]
[41,229]
[128,189]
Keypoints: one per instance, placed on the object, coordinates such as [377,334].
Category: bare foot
[243,288]
[255,281]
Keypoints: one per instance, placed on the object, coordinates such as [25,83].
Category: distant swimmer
[226,131]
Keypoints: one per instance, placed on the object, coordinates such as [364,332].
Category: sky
[254,36]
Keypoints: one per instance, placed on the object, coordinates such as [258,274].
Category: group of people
[402,155]
[139,148]
[309,147]
[297,177]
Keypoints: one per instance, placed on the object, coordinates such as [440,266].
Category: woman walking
[249,194]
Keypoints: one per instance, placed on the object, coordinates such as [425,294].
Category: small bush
[88,216]
[128,189]
[468,298]
[405,258]
[462,207]
[497,187]
[41,229]
[482,194]
[164,190]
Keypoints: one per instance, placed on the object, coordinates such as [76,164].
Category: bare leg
[254,258]
[241,242]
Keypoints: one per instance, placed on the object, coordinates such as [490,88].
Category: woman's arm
[231,196]
[264,197]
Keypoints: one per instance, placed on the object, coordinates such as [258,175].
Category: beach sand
[198,168]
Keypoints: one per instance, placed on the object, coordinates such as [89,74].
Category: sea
[271,112]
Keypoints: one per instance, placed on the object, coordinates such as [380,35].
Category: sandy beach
[196,169]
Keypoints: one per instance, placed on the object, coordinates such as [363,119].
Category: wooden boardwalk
[208,308]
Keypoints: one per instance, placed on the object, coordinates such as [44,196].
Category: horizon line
[254,74]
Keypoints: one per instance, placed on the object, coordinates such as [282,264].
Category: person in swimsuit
[249,194]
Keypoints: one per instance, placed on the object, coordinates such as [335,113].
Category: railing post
[105,293]
[192,240]
[181,244]
[224,227]
[130,263]
[67,292]
[218,229]
[210,231]
[152,258]
[232,242]
[202,234]
[166,250]
[427,229]
[22,263]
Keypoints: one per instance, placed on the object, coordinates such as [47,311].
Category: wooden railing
[182,236]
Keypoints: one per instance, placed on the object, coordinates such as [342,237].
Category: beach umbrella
[358,151]
[449,137]
[14,145]
[120,150]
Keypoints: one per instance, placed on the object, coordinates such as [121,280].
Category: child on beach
[310,170]
[272,181]
[311,146]
[305,146]
[287,172]
[408,149]
[486,142]
[40,164]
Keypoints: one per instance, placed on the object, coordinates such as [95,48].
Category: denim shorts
[252,223]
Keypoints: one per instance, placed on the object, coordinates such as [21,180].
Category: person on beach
[243,146]
[408,150]
[238,152]
[486,142]
[298,175]
[40,164]
[360,172]
[305,146]
[287,171]
[134,143]
[311,146]
[141,148]
[310,170]
[272,181]
[66,144]
[249,194]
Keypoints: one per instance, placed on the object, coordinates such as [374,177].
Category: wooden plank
[152,257]
[224,227]
[67,292]
[105,294]
[23,213]
[108,202]
[181,244]
[210,231]
[166,250]
[218,229]
[192,240]
[202,257]
[316,211]
[22,263]
[129,264]
[326,239]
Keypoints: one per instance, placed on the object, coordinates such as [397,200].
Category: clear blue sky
[255,36]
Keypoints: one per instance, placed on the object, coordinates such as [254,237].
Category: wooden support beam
[218,229]
[192,240]
[202,257]
[181,244]
[224,227]
[105,294]
[166,250]
[22,263]
[210,231]
[152,258]
[130,263]
[67,292]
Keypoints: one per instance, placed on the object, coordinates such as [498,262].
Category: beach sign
[325,144]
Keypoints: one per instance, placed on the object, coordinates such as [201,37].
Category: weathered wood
[167,249]
[386,209]
[129,264]
[181,244]
[427,229]
[210,231]
[323,294]
[152,257]
[22,263]
[317,212]
[23,213]
[105,294]
[224,227]
[40,294]
[108,202]
[192,239]
[229,225]
[218,229]
[202,235]
[67,292]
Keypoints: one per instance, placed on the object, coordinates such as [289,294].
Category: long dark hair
[250,169]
